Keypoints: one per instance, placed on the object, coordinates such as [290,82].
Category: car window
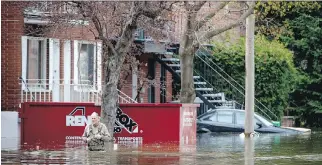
[264,120]
[211,117]
[240,119]
[225,116]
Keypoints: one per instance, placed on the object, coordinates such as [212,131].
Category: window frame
[43,86]
[232,113]
[97,71]
[206,117]
[256,120]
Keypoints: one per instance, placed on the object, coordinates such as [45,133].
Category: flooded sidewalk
[225,149]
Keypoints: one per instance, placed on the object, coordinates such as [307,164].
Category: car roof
[220,109]
[225,109]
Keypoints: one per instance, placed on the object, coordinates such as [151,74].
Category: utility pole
[250,75]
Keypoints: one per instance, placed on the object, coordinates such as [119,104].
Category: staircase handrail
[232,84]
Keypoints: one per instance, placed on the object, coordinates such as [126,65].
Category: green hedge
[275,74]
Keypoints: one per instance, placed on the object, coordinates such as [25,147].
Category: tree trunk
[110,94]
[112,67]
[186,52]
[187,94]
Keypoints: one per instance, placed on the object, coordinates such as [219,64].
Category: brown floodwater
[215,148]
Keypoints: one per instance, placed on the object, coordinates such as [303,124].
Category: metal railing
[41,90]
[123,98]
[226,102]
[215,76]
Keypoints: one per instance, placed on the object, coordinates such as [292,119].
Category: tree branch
[79,5]
[146,11]
[128,28]
[195,6]
[213,33]
[202,22]
[96,23]
[151,14]
[170,6]
[198,6]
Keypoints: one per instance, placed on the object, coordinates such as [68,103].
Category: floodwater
[220,149]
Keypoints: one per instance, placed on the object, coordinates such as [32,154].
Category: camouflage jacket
[94,143]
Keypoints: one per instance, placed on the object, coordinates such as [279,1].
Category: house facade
[65,65]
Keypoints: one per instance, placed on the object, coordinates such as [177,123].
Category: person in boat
[96,134]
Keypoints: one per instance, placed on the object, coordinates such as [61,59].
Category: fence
[38,90]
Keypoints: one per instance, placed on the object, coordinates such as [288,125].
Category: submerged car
[233,120]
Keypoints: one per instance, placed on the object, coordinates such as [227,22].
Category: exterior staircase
[213,86]
[205,93]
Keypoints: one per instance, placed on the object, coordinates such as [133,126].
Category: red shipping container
[53,125]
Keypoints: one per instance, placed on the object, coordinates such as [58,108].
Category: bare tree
[121,19]
[200,27]
[114,24]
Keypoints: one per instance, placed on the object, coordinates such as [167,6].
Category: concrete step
[195,77]
[200,83]
[170,59]
[216,101]
[174,65]
[168,53]
[204,89]
[213,95]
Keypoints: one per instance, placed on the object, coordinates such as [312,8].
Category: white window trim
[54,67]
[97,65]
[67,70]
[24,54]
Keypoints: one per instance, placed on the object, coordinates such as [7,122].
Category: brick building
[48,65]
[45,68]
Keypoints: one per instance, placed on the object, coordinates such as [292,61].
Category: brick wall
[12,24]
[127,85]
[11,31]
[144,94]
[169,86]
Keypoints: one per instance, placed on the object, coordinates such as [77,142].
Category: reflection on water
[211,149]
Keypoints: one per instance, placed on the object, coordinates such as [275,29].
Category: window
[35,64]
[225,116]
[240,119]
[212,117]
[263,119]
[87,65]
[36,60]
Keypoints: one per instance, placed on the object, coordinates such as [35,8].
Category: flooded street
[225,149]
